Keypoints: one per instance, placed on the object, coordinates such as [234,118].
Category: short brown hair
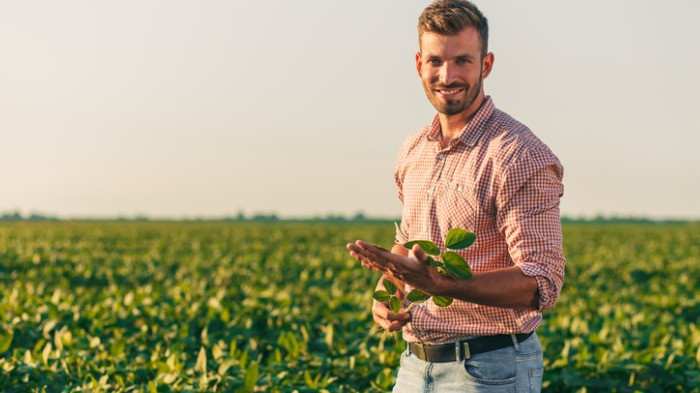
[449,17]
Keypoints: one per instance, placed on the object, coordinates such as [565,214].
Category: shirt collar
[472,131]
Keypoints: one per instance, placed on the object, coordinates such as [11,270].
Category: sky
[206,108]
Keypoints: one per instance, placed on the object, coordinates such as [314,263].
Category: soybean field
[281,307]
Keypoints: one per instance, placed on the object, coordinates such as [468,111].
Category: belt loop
[408,347]
[516,344]
[467,352]
[458,344]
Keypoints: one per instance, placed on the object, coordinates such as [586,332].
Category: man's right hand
[382,314]
[386,319]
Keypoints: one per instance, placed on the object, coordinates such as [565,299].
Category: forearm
[507,288]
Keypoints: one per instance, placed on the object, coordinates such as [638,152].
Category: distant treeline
[258,217]
[624,220]
[358,217]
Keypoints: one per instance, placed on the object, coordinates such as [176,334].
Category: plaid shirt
[499,181]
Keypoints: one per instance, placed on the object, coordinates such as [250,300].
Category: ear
[419,64]
[487,65]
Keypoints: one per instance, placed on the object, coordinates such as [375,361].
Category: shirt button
[441,156]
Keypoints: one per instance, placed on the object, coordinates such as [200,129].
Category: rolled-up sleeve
[528,218]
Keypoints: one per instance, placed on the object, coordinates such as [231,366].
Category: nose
[447,73]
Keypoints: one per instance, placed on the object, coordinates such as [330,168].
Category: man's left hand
[414,270]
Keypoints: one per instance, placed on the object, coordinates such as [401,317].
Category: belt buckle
[420,351]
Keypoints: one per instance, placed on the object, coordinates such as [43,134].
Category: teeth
[450,91]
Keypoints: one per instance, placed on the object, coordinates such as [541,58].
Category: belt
[460,350]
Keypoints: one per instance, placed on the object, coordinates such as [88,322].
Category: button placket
[441,158]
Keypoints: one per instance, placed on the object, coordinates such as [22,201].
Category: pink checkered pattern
[498,180]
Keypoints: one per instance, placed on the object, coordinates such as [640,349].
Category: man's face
[452,70]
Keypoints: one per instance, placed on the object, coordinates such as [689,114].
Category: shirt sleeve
[402,228]
[528,218]
[402,163]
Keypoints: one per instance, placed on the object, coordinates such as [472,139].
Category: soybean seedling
[448,264]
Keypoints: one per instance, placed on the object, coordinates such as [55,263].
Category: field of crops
[159,307]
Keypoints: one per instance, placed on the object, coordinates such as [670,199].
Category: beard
[457,105]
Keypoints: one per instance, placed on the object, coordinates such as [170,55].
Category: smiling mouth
[450,92]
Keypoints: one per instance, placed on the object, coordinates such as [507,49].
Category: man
[473,167]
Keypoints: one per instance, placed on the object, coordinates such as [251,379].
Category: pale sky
[204,108]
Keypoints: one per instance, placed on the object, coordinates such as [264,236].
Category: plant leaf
[458,238]
[390,287]
[46,353]
[117,348]
[5,341]
[456,265]
[434,263]
[201,364]
[251,377]
[416,296]
[427,246]
[442,301]
[395,304]
[381,296]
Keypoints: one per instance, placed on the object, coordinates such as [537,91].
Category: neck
[452,125]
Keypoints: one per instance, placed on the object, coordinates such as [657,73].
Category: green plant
[448,264]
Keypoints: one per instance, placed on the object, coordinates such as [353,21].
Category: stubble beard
[453,107]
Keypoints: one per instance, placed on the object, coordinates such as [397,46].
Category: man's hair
[449,17]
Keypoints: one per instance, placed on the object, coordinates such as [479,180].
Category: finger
[373,248]
[420,254]
[379,316]
[367,254]
[365,257]
[380,310]
[387,320]
[361,254]
[395,326]
[388,256]
[402,317]
[369,264]
[382,323]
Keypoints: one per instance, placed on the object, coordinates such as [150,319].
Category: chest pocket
[456,206]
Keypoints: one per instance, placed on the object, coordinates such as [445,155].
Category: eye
[463,60]
[434,62]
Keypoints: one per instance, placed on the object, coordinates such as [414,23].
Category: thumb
[420,254]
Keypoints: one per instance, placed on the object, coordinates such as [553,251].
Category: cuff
[545,287]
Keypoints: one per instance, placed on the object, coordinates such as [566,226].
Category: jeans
[511,369]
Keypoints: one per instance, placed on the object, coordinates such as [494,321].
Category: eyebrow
[466,56]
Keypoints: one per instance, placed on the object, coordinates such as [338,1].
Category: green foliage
[281,307]
[390,287]
[222,307]
[5,341]
[427,246]
[442,301]
[395,304]
[451,265]
[416,296]
[381,296]
[456,265]
[458,238]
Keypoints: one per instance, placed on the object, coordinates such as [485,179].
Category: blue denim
[512,369]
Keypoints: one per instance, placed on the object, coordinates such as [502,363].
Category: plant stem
[395,281]
[410,307]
